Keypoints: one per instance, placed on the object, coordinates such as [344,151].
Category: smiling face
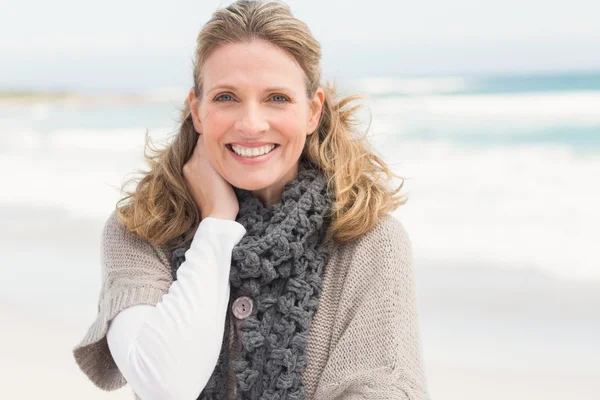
[254,101]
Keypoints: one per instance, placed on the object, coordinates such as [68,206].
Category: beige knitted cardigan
[363,342]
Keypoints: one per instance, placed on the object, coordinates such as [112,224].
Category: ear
[316,106]
[194,105]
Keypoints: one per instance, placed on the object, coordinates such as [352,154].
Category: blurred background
[490,110]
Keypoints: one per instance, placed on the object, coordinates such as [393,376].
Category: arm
[136,273]
[170,350]
[376,350]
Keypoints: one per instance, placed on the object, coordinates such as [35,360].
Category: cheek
[291,125]
[216,124]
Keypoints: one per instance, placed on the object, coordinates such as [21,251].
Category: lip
[253,160]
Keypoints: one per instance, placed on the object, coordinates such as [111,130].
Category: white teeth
[252,152]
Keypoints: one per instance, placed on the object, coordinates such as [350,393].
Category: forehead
[252,65]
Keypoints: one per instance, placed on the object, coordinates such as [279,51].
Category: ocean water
[500,170]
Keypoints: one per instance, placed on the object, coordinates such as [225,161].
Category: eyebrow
[269,89]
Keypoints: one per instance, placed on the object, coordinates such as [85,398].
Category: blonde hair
[162,211]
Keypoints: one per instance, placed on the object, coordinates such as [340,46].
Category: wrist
[220,216]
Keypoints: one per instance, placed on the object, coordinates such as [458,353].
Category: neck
[272,194]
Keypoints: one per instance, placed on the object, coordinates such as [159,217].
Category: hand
[213,195]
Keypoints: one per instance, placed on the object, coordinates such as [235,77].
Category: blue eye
[224,97]
[280,98]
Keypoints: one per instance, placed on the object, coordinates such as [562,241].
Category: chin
[252,184]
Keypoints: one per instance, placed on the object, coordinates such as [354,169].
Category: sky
[129,45]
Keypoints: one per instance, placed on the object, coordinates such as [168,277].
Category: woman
[257,258]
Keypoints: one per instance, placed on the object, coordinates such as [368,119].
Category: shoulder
[378,262]
[121,247]
[386,248]
[387,233]
[115,230]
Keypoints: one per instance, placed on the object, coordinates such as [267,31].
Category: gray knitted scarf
[278,264]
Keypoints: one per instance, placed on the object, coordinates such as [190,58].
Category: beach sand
[37,363]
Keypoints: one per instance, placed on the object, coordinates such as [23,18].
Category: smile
[247,152]
[247,155]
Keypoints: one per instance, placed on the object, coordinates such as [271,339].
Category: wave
[563,118]
[124,140]
[519,207]
[479,84]
[580,108]
[409,86]
[80,171]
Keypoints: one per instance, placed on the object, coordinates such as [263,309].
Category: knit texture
[363,341]
[278,263]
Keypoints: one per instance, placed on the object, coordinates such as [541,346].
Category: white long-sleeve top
[170,350]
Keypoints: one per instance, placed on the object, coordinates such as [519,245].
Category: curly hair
[161,210]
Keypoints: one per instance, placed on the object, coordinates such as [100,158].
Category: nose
[251,121]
